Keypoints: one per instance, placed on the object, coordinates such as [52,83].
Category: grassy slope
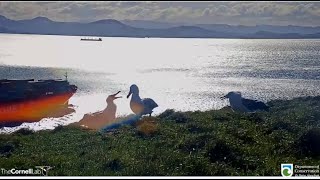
[217,142]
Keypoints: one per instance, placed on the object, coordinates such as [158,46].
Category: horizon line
[155,21]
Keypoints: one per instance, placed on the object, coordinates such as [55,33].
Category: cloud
[247,13]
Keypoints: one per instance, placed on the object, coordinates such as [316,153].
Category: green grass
[211,143]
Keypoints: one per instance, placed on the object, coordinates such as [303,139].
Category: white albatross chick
[100,119]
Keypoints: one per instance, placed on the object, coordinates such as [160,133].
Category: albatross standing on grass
[238,103]
[140,106]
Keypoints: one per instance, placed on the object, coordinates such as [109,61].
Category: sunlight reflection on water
[182,74]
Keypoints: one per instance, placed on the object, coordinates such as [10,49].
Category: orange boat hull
[32,110]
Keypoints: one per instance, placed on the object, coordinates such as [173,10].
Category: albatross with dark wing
[140,106]
[239,103]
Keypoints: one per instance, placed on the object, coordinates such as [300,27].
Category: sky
[302,13]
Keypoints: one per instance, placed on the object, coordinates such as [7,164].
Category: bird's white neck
[111,108]
[135,97]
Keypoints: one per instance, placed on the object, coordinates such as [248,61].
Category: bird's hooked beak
[129,94]
[114,95]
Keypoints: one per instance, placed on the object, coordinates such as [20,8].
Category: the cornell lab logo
[40,170]
[44,169]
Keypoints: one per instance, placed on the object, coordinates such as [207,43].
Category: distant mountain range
[136,28]
[226,28]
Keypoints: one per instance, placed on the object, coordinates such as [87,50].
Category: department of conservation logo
[286,170]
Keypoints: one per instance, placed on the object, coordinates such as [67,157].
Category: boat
[32,100]
[91,39]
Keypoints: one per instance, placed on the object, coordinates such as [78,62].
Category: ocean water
[181,74]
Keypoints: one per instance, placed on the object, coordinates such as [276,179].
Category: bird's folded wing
[149,102]
[253,104]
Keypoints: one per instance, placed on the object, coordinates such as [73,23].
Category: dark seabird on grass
[239,103]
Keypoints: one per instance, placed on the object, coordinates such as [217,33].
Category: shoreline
[193,143]
[63,113]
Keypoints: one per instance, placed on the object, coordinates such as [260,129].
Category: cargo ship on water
[91,39]
[31,100]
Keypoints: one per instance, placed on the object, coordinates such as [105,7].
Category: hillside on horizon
[136,28]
